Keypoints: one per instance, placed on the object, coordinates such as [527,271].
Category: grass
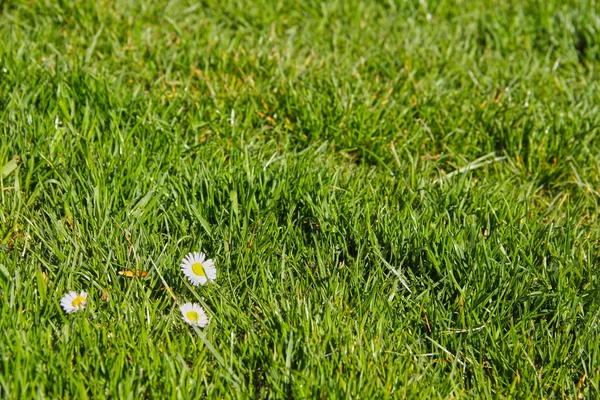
[401,198]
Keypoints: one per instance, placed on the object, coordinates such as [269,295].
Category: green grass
[401,198]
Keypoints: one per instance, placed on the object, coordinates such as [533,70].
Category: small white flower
[73,301]
[198,268]
[194,315]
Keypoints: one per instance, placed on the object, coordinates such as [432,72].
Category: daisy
[73,301]
[194,315]
[198,268]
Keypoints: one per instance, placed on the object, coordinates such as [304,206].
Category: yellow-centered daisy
[73,301]
[198,268]
[194,315]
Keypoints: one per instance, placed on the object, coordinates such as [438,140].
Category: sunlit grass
[400,198]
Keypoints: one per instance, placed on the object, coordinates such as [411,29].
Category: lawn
[400,198]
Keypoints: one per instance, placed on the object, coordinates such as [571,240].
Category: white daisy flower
[73,301]
[198,268]
[194,315]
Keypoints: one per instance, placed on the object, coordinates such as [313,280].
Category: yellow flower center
[193,316]
[79,300]
[198,269]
